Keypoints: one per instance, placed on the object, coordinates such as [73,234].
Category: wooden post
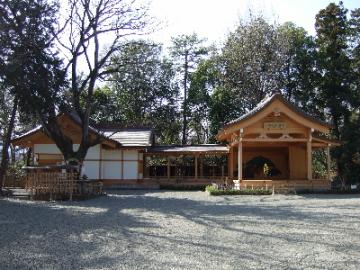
[328,161]
[231,163]
[309,156]
[168,167]
[122,164]
[201,167]
[196,167]
[240,160]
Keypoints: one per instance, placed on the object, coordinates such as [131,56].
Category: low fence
[14,181]
[58,185]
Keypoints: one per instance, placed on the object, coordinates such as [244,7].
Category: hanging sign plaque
[275,125]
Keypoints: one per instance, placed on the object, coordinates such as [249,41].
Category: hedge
[214,191]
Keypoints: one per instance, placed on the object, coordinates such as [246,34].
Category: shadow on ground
[158,229]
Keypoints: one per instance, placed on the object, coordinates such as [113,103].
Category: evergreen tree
[334,64]
[187,51]
[297,79]
[144,90]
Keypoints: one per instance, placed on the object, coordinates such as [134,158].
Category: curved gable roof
[265,103]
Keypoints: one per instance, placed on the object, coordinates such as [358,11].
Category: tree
[9,107]
[105,107]
[334,63]
[144,89]
[25,28]
[354,25]
[251,60]
[297,79]
[203,80]
[92,32]
[187,51]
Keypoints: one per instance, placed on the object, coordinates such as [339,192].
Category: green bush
[213,190]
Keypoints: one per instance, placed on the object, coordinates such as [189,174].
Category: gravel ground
[182,230]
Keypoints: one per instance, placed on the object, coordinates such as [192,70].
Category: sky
[214,19]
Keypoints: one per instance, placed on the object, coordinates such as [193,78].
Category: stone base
[236,184]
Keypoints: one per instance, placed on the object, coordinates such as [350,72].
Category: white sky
[213,19]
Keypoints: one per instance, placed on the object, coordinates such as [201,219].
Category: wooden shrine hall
[273,144]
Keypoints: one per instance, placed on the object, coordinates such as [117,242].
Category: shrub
[213,190]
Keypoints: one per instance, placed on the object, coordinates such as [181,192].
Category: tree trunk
[13,153]
[28,157]
[6,144]
[184,128]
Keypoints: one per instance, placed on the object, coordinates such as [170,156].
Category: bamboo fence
[59,185]
[14,181]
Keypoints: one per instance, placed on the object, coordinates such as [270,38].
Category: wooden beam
[274,140]
[257,130]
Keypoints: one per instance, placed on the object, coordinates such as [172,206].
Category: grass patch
[214,191]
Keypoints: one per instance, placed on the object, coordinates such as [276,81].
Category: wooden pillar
[328,156]
[240,150]
[122,164]
[309,156]
[201,167]
[168,167]
[231,163]
[196,167]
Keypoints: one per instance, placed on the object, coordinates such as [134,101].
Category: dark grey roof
[267,101]
[208,148]
[131,137]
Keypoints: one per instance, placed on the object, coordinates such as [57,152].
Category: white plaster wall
[111,170]
[131,155]
[91,169]
[130,169]
[111,154]
[93,152]
[46,149]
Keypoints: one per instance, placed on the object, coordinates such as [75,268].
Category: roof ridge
[267,100]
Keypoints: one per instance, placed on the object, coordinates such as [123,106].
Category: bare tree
[90,35]
[86,36]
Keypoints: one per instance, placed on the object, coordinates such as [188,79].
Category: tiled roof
[267,101]
[131,137]
[215,148]
[30,132]
[127,137]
